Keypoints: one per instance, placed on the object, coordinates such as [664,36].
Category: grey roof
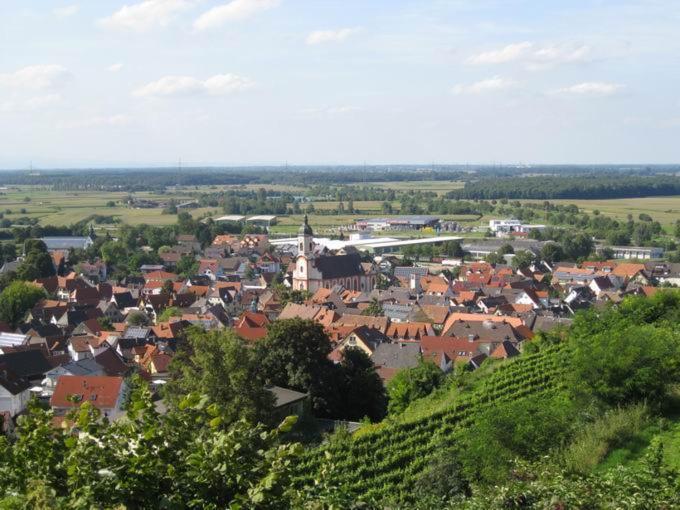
[285,396]
[65,243]
[340,266]
[86,366]
[136,332]
[396,311]
[407,271]
[397,355]
[10,266]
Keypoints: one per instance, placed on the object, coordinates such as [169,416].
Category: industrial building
[416,222]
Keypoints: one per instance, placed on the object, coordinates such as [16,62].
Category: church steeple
[305,239]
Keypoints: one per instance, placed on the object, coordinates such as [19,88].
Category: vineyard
[386,463]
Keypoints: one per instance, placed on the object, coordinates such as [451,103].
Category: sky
[263,82]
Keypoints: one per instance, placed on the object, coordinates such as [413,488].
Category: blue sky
[146,82]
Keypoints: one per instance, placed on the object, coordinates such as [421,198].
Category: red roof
[101,391]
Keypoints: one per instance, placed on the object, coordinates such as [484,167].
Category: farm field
[440,187]
[665,210]
[65,208]
[68,207]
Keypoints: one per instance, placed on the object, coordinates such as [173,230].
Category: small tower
[305,239]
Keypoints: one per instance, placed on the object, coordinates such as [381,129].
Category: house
[14,391]
[409,330]
[392,357]
[314,270]
[364,338]
[31,364]
[105,393]
[252,326]
[289,402]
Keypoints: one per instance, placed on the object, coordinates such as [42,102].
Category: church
[316,268]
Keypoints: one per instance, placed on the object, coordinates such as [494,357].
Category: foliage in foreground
[185,459]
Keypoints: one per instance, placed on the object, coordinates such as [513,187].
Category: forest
[591,186]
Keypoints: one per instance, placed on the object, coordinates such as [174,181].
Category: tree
[189,457]
[105,324]
[374,308]
[114,253]
[294,354]
[187,265]
[627,363]
[453,249]
[525,428]
[219,364]
[17,298]
[522,259]
[410,384]
[37,263]
[494,258]
[552,252]
[168,288]
[362,389]
[578,246]
[137,318]
[168,313]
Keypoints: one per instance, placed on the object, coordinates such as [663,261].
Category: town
[83,332]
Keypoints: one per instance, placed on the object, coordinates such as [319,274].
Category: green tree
[220,365]
[627,363]
[522,259]
[190,457]
[374,308]
[294,354]
[578,246]
[137,318]
[187,265]
[361,387]
[16,299]
[410,384]
[552,252]
[526,428]
[168,313]
[37,263]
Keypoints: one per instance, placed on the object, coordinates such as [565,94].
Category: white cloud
[235,10]
[490,85]
[325,36]
[533,56]
[145,15]
[66,11]
[114,68]
[188,85]
[506,54]
[591,88]
[39,77]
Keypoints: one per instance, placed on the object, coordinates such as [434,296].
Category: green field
[440,187]
[665,210]
[65,208]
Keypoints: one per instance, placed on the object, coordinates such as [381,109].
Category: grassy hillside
[384,461]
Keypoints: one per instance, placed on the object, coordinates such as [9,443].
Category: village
[91,333]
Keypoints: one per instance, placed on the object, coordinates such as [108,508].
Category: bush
[595,440]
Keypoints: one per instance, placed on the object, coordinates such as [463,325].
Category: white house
[14,392]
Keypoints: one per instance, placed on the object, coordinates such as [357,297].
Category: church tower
[305,239]
[306,276]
